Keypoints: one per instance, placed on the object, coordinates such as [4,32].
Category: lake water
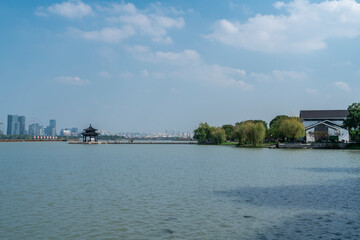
[63,191]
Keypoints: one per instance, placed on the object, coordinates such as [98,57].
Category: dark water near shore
[62,191]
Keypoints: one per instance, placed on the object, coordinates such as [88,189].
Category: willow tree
[291,128]
[229,131]
[217,135]
[206,134]
[250,132]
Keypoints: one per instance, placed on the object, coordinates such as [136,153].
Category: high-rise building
[1,128]
[51,129]
[22,125]
[35,129]
[16,125]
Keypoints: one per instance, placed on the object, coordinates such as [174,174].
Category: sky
[156,65]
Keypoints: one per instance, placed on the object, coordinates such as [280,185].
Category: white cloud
[347,63]
[213,75]
[110,35]
[72,80]
[342,86]
[151,25]
[160,10]
[118,8]
[224,76]
[176,58]
[137,49]
[279,5]
[278,76]
[70,9]
[311,91]
[306,27]
[41,12]
[124,20]
[189,65]
[185,56]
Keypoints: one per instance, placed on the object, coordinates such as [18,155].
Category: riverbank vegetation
[281,129]
[252,132]
[352,122]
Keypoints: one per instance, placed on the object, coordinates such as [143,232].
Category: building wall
[15,125]
[51,129]
[311,122]
[342,133]
[309,137]
[21,120]
[35,129]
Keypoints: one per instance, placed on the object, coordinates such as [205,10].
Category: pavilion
[90,133]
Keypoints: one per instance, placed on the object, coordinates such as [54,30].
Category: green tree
[273,133]
[275,121]
[250,132]
[229,131]
[217,135]
[352,122]
[253,121]
[291,128]
[202,133]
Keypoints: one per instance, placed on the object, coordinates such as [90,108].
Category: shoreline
[32,140]
[333,146]
[143,142]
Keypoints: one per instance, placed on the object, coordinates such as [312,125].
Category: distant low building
[74,132]
[325,125]
[65,132]
[69,132]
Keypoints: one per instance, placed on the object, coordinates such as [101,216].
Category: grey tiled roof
[323,114]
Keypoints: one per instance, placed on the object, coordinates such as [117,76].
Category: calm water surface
[62,191]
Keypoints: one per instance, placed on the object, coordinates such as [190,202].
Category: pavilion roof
[90,129]
[90,134]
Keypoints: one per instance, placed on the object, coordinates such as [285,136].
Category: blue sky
[150,66]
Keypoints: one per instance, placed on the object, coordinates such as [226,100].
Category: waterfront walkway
[137,142]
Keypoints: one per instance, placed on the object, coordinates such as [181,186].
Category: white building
[325,125]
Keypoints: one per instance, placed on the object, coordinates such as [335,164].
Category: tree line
[282,128]
[352,122]
[252,132]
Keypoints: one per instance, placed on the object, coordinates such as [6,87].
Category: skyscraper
[1,128]
[51,129]
[16,125]
[21,120]
[35,129]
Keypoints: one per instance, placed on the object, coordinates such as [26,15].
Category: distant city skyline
[148,66]
[17,125]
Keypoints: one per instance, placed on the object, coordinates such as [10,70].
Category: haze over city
[151,66]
